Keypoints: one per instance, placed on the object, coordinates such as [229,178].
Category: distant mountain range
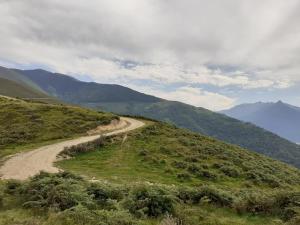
[280,118]
[122,100]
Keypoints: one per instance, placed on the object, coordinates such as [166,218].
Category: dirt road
[25,165]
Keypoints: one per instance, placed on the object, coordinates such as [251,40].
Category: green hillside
[14,89]
[23,123]
[160,175]
[118,99]
[14,76]
[212,124]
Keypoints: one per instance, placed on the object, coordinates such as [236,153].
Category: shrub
[194,169]
[209,193]
[105,195]
[207,174]
[254,203]
[83,148]
[183,177]
[283,204]
[188,195]
[59,191]
[260,178]
[179,164]
[12,186]
[150,202]
[230,171]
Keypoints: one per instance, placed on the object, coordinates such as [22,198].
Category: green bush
[213,195]
[230,171]
[183,177]
[179,164]
[149,202]
[83,148]
[12,186]
[59,191]
[105,195]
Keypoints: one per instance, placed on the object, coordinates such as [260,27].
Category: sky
[214,54]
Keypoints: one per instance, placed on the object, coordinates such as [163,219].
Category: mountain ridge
[278,117]
[122,100]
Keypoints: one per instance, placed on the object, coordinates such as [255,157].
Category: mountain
[18,78]
[157,174]
[280,118]
[75,91]
[14,89]
[118,99]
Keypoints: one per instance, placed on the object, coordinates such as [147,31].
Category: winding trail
[27,164]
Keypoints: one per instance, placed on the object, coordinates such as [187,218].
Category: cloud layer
[200,52]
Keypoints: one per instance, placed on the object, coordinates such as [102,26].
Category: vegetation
[26,123]
[121,100]
[13,89]
[161,153]
[199,180]
[67,199]
[215,125]
[158,174]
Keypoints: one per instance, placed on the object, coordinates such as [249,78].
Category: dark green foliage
[283,204]
[179,165]
[105,195]
[12,186]
[230,171]
[207,193]
[83,148]
[183,177]
[214,196]
[150,202]
[62,191]
[70,200]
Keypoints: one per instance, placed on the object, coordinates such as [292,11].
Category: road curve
[25,165]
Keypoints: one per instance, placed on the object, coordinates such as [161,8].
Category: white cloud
[192,96]
[172,41]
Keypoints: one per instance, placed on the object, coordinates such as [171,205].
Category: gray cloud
[169,40]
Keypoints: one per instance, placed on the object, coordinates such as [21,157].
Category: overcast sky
[213,54]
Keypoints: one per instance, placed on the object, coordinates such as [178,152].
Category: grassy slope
[24,124]
[213,124]
[122,100]
[14,89]
[170,157]
[18,78]
[163,154]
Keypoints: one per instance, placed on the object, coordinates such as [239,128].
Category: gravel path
[25,165]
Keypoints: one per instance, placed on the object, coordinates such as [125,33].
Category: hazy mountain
[14,89]
[16,77]
[75,91]
[280,118]
[119,99]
